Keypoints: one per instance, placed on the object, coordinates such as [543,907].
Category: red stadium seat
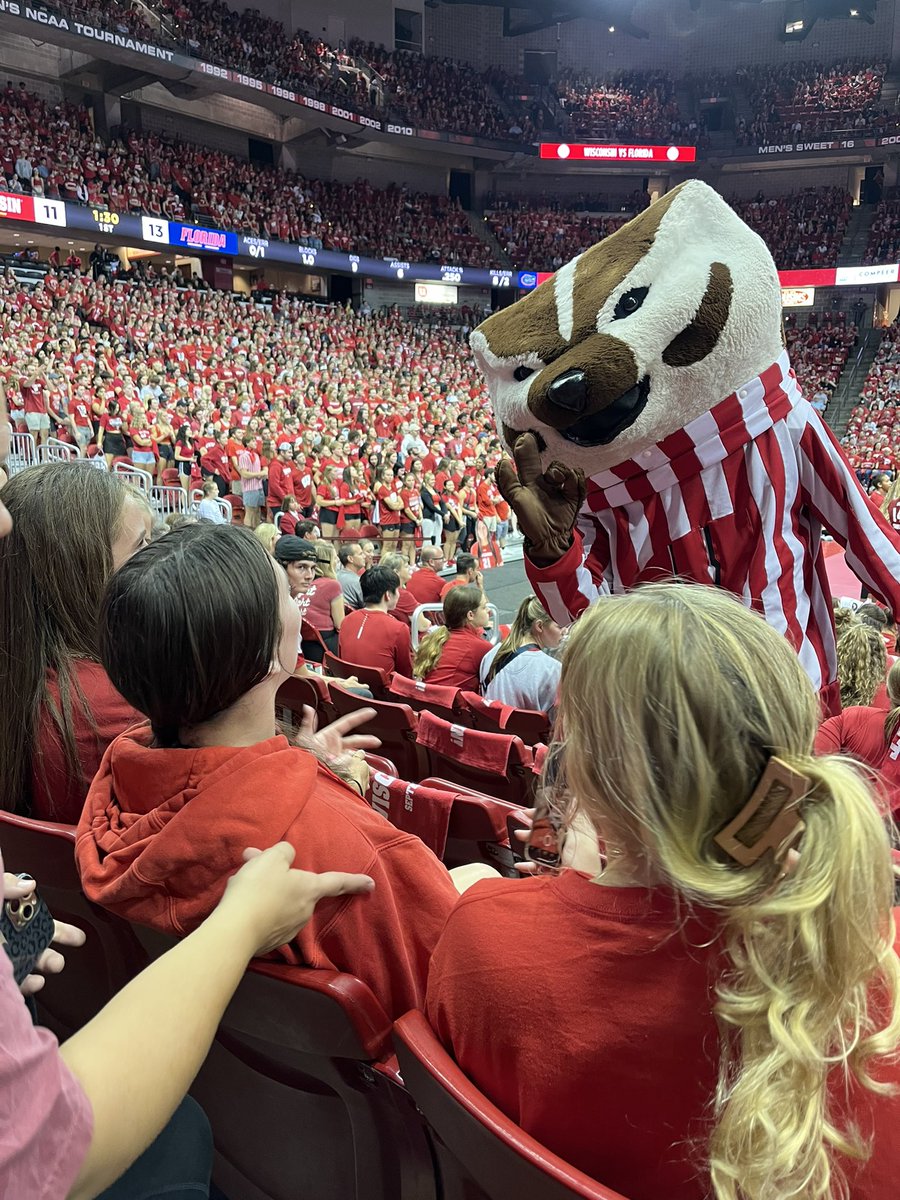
[528,724]
[377,763]
[458,824]
[110,957]
[373,678]
[302,690]
[495,763]
[395,724]
[430,697]
[236,504]
[480,1153]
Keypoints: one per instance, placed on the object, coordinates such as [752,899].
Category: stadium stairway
[891,88]
[846,395]
[482,230]
[856,239]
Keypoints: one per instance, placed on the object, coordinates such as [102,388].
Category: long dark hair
[51,589]
[190,624]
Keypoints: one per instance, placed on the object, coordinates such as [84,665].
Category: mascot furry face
[636,336]
[658,431]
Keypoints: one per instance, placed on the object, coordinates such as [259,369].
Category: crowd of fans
[884,233]
[819,348]
[870,441]
[798,100]
[543,238]
[53,151]
[804,229]
[630,106]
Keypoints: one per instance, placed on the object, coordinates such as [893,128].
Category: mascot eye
[521,373]
[630,303]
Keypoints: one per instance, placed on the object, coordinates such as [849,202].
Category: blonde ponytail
[861,664]
[429,652]
[794,1002]
[673,699]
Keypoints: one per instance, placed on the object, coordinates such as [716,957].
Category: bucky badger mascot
[658,430]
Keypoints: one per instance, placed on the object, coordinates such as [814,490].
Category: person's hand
[335,743]
[278,900]
[580,849]
[51,962]
[546,503]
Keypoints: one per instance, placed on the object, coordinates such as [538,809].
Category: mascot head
[636,336]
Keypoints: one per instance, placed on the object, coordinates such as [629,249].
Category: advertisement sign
[882,273]
[599,153]
[798,297]
[436,293]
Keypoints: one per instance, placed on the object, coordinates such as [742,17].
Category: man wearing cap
[281,478]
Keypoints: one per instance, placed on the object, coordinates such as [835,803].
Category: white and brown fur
[637,336]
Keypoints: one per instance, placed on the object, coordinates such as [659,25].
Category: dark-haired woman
[199,631]
[58,709]
[111,436]
[184,453]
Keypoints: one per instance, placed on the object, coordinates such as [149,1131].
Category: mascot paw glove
[546,503]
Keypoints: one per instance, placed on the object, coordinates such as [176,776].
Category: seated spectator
[208,507]
[370,637]
[861,664]
[451,655]
[311,594]
[426,585]
[58,709]
[353,563]
[266,535]
[199,632]
[870,735]
[308,530]
[468,574]
[406,603]
[517,671]
[740,926]
[287,519]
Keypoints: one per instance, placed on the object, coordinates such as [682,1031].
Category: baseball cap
[284,447]
[290,548]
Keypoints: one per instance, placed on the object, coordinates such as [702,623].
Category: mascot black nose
[569,391]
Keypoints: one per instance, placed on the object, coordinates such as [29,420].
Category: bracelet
[357,784]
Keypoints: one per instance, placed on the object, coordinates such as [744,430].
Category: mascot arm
[835,496]
[568,586]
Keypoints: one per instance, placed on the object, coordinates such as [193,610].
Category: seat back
[110,957]
[429,697]
[376,680]
[528,724]
[168,500]
[498,764]
[481,1154]
[300,690]
[479,827]
[302,1095]
[394,724]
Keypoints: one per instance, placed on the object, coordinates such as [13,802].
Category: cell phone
[26,930]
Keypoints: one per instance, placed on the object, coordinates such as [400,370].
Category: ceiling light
[612,29]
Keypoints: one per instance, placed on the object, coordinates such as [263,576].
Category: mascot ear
[700,337]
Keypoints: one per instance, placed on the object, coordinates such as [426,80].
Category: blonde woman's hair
[393,561]
[892,720]
[267,534]
[458,603]
[673,698]
[861,664]
[843,617]
[325,557]
[530,611]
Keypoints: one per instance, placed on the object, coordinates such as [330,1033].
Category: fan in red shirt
[390,505]
[281,478]
[739,927]
[426,585]
[450,656]
[370,637]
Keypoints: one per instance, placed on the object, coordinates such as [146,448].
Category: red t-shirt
[406,606]
[617,1074]
[426,586]
[55,794]
[460,659]
[859,732]
[315,605]
[387,516]
[32,397]
[372,638]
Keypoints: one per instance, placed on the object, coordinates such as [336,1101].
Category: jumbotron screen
[600,152]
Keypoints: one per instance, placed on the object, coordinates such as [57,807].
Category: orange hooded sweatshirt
[163,829]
